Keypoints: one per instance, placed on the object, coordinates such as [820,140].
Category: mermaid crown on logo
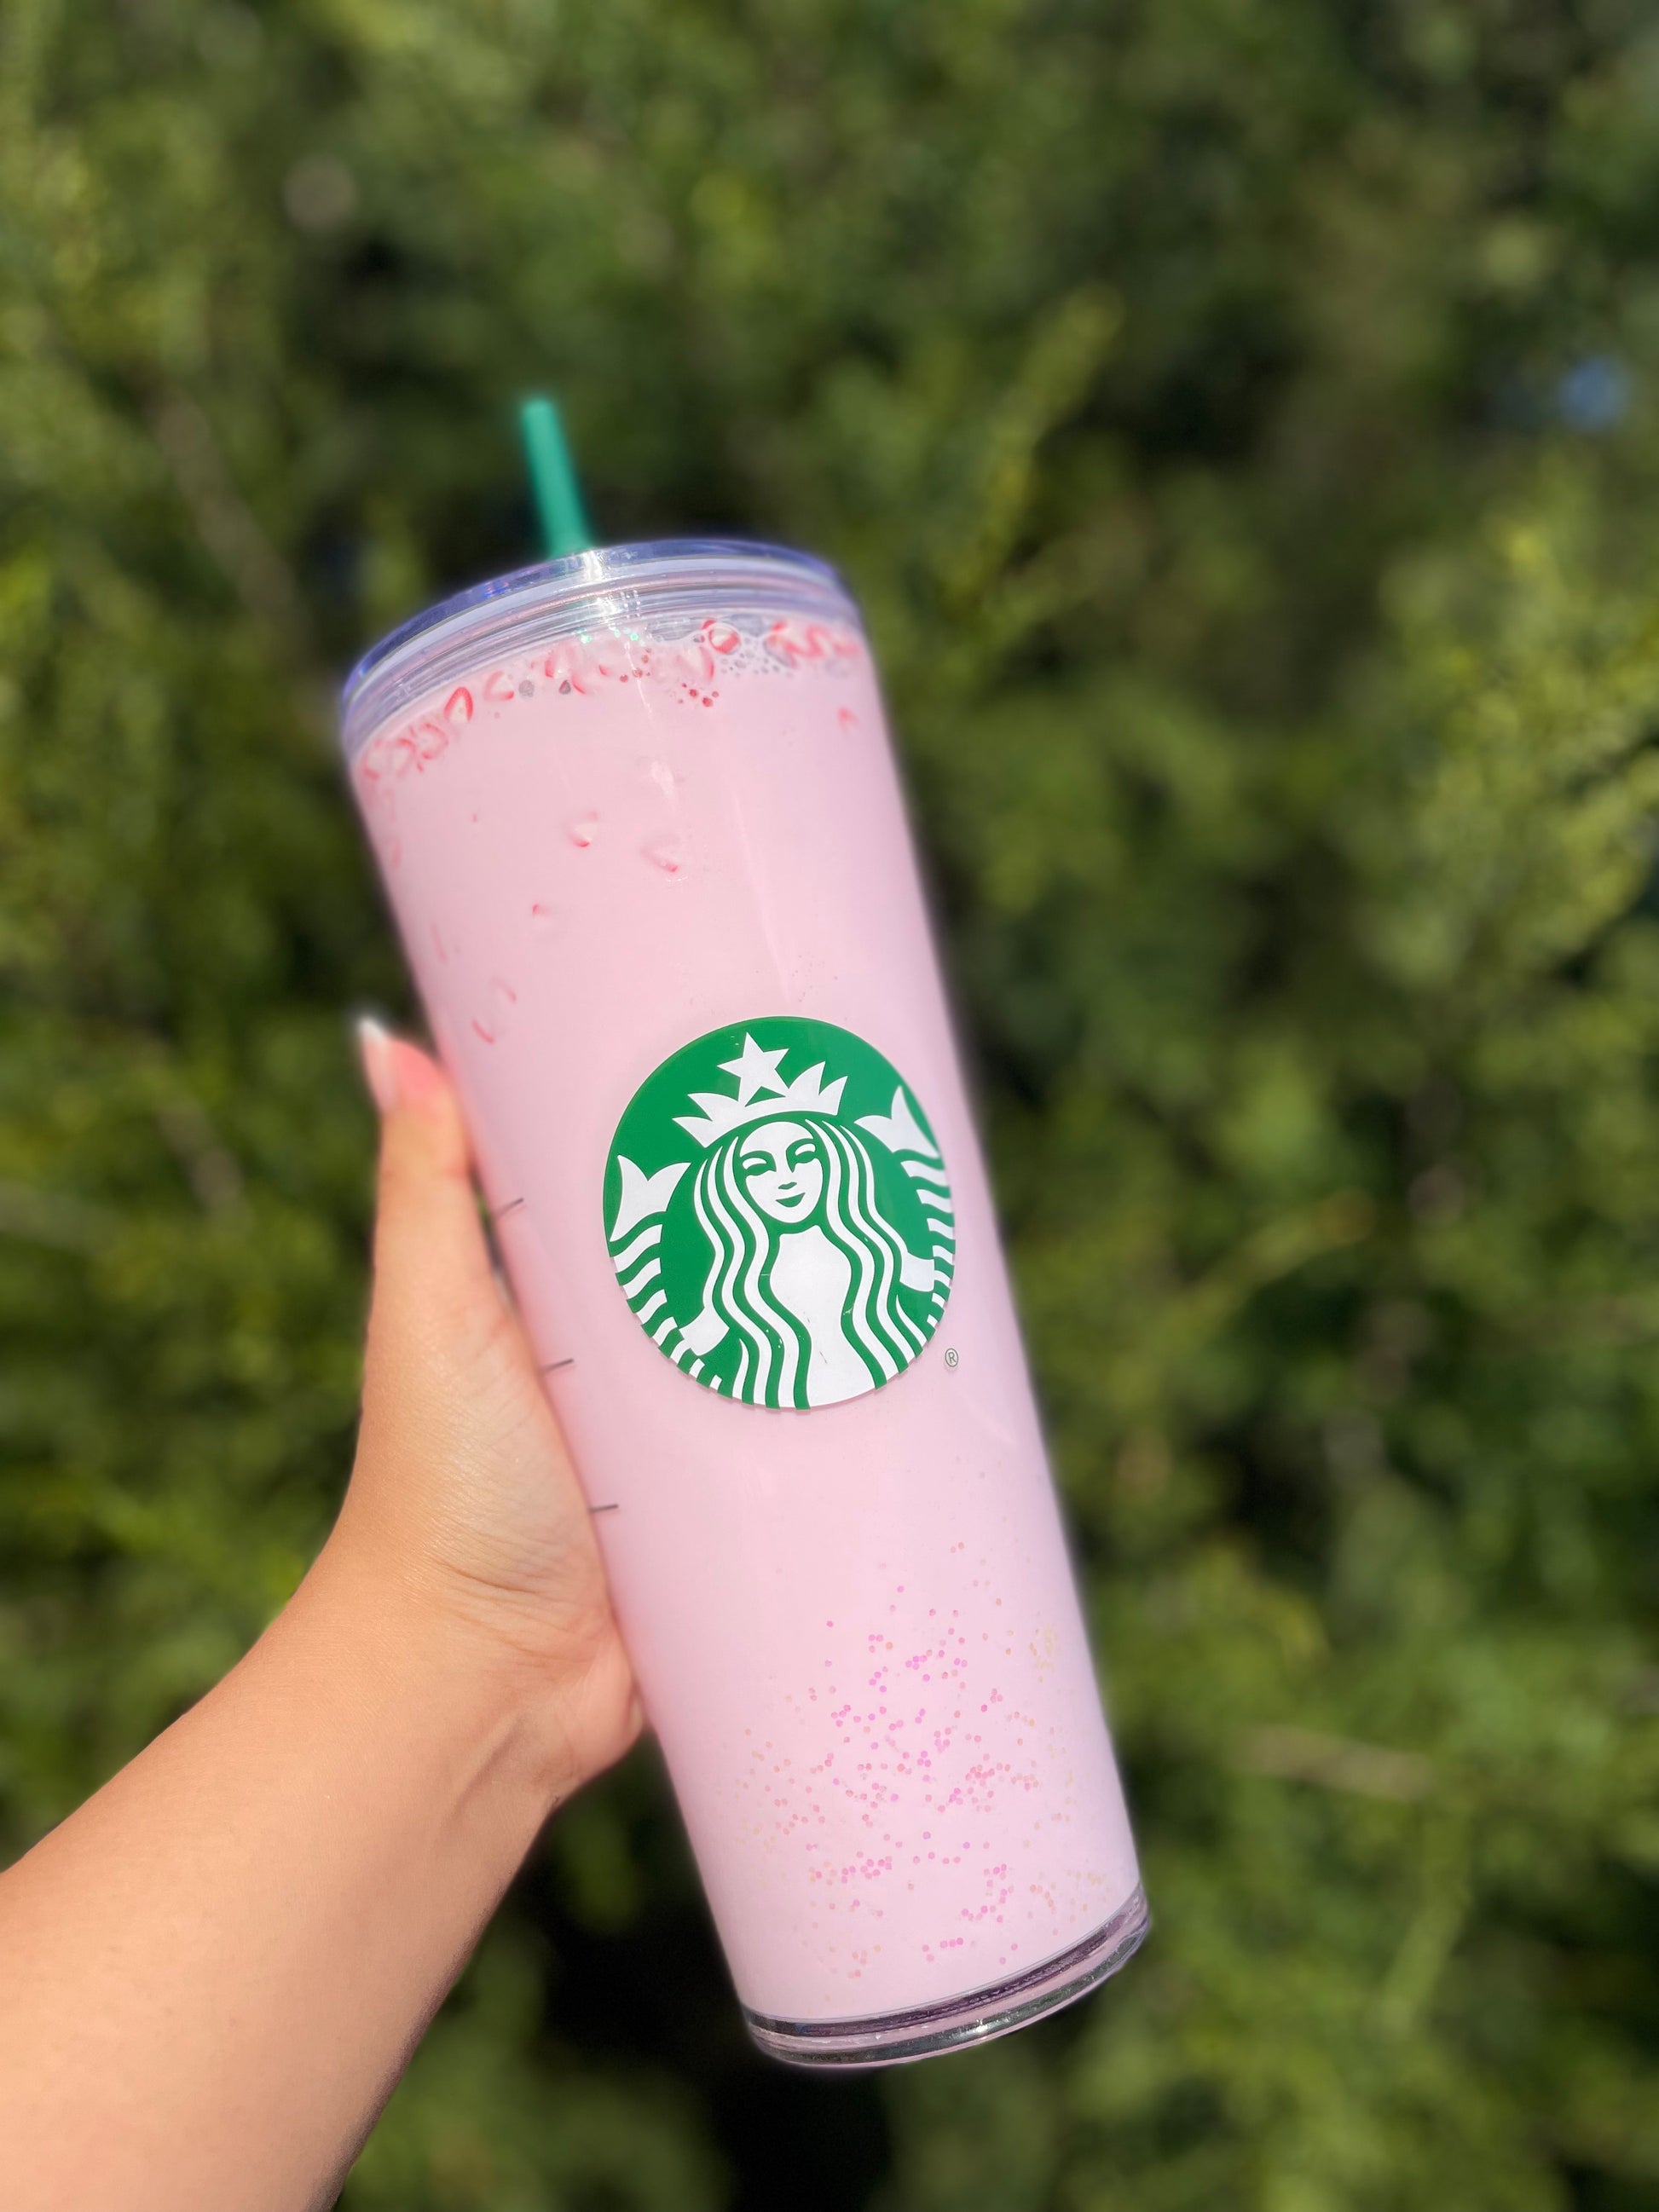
[762,1092]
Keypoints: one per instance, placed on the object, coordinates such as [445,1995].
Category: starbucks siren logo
[779,1216]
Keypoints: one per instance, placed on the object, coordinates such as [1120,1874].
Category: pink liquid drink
[641,827]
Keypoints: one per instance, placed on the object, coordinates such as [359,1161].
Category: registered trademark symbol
[951,1355]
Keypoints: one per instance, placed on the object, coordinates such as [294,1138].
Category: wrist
[435,1672]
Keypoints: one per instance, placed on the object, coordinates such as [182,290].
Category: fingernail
[374,1047]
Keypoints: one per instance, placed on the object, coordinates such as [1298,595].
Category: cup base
[890,2038]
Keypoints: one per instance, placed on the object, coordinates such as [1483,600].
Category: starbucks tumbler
[641,828]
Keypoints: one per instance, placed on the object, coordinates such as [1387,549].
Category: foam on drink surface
[685,667]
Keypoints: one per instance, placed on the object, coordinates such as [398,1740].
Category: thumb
[436,1303]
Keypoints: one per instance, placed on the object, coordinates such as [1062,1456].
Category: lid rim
[602,567]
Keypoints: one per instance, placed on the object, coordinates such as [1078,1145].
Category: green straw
[559,509]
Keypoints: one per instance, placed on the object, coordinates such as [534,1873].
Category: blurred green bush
[1240,422]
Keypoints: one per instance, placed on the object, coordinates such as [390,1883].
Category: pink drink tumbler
[640,825]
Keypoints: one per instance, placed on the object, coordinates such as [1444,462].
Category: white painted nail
[380,1062]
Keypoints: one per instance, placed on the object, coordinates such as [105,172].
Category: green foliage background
[1239,419]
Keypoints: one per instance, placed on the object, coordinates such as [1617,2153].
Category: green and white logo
[779,1216]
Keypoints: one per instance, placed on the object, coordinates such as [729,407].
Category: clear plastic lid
[663,590]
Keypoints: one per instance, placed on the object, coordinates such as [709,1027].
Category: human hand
[463,1496]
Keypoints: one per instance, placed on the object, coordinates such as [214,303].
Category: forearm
[211,1975]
